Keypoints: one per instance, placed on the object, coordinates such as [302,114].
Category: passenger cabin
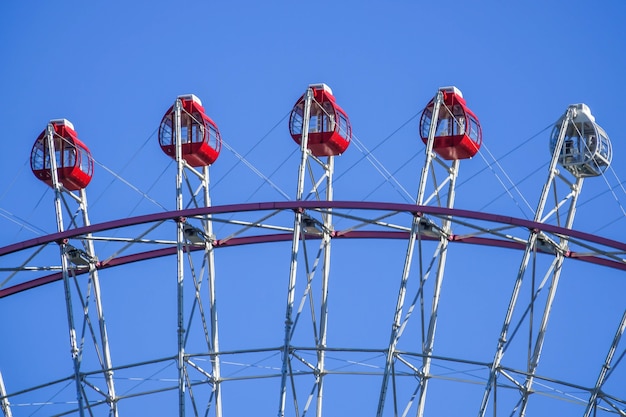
[200,138]
[329,127]
[74,163]
[458,134]
[586,150]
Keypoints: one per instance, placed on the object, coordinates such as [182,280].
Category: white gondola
[586,150]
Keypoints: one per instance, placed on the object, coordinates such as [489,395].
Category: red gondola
[458,134]
[201,140]
[329,127]
[73,159]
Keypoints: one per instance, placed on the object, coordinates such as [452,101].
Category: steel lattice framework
[303,368]
[261,223]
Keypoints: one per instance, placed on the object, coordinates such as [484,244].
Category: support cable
[611,190]
[255,170]
[498,165]
[368,154]
[256,144]
[24,224]
[128,163]
[16,219]
[506,190]
[15,177]
[382,170]
[272,174]
[132,187]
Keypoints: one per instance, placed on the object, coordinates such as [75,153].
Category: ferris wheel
[245,309]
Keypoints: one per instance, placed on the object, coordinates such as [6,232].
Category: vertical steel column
[432,325]
[395,330]
[591,405]
[215,347]
[180,260]
[321,349]
[5,406]
[429,148]
[297,225]
[64,264]
[106,352]
[532,239]
[556,274]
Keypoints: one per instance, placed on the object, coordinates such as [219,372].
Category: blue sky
[113,69]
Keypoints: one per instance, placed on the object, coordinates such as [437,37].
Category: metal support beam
[210,256]
[5,406]
[530,245]
[321,348]
[558,267]
[180,236]
[297,224]
[104,338]
[57,186]
[606,366]
[413,237]
[432,325]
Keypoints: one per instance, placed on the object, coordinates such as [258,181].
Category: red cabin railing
[329,126]
[73,159]
[200,137]
[458,134]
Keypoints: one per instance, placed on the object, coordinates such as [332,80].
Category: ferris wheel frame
[369,220]
[301,222]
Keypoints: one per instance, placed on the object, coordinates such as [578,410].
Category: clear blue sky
[113,68]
